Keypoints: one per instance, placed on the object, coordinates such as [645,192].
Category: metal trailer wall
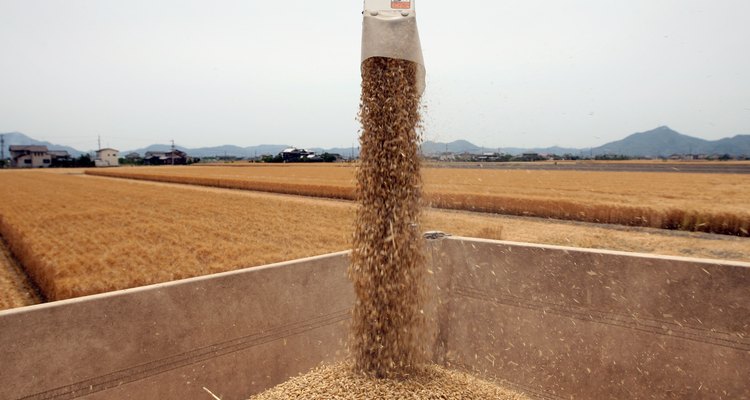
[554,322]
[561,323]
[234,333]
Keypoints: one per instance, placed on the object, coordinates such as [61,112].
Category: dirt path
[16,290]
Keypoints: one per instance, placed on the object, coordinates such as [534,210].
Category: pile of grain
[387,262]
[341,383]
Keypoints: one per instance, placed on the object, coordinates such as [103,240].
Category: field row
[79,235]
[692,202]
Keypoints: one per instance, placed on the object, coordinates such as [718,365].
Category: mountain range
[463,146]
[237,151]
[662,141]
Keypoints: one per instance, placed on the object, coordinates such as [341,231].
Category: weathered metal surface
[573,323]
[235,333]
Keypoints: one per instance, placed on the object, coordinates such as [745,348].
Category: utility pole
[99,140]
[172,152]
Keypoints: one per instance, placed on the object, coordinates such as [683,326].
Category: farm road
[676,167]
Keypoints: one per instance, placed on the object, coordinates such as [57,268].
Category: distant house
[175,157]
[29,157]
[60,158]
[154,157]
[293,154]
[531,157]
[228,158]
[332,157]
[133,157]
[107,157]
[447,156]
[59,155]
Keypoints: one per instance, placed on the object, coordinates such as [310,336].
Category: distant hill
[228,150]
[457,146]
[541,150]
[463,146]
[19,139]
[664,141]
[245,152]
[345,152]
[736,145]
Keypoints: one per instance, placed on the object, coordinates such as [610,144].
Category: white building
[107,157]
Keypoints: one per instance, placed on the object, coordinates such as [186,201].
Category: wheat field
[77,235]
[683,201]
[15,290]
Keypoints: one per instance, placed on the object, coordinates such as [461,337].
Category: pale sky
[499,73]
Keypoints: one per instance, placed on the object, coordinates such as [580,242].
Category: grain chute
[389,29]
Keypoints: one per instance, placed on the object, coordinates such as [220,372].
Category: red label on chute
[401,4]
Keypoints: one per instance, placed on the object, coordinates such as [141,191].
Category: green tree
[83,161]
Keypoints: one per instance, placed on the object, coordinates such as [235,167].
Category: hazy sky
[499,73]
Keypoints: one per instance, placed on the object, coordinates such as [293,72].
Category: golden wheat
[82,235]
[683,201]
[78,235]
[15,290]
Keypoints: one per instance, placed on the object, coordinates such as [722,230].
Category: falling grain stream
[386,343]
[387,263]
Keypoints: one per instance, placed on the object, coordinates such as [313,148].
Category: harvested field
[687,201]
[79,235]
[340,383]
